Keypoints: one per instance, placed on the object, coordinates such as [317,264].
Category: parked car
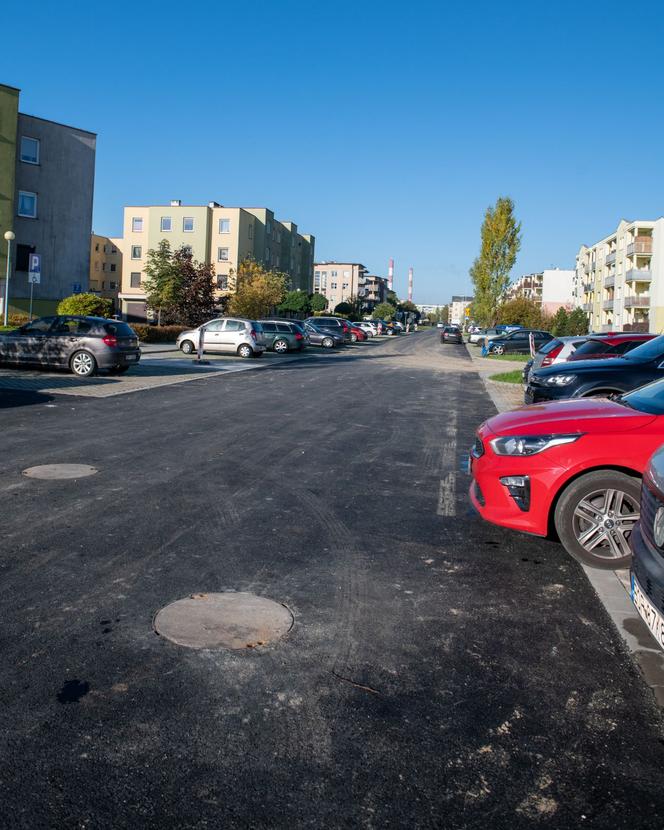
[476,334]
[332,323]
[518,341]
[609,345]
[647,544]
[391,329]
[81,344]
[368,327]
[357,334]
[554,351]
[553,468]
[440,325]
[233,335]
[598,378]
[486,335]
[282,336]
[451,334]
[323,337]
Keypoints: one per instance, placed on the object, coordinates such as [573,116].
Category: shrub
[157,334]
[89,305]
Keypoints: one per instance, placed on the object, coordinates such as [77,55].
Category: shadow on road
[11,398]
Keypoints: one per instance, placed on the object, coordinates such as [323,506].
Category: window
[166,224]
[234,325]
[29,150]
[97,246]
[215,325]
[137,224]
[113,285]
[103,285]
[103,266]
[333,274]
[267,254]
[333,285]
[345,285]
[136,251]
[114,250]
[39,326]
[222,254]
[268,227]
[188,224]
[270,328]
[251,231]
[97,266]
[135,280]
[27,204]
[113,266]
[224,226]
[222,282]
[346,274]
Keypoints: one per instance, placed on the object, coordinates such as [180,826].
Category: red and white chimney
[410,285]
[390,275]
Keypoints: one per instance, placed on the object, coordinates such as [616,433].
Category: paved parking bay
[439,672]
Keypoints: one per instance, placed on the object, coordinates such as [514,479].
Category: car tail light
[252,333]
[346,327]
[552,355]
[110,340]
[299,336]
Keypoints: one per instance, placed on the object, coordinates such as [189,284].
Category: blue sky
[383,128]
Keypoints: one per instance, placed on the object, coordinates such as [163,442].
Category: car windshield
[651,350]
[649,398]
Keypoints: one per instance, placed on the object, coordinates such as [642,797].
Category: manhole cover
[232,620]
[53,471]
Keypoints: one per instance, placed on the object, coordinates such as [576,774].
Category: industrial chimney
[410,285]
[390,275]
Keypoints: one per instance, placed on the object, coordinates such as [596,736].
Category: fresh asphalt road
[440,672]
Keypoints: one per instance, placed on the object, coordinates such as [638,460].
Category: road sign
[34,269]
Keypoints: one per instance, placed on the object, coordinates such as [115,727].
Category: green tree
[383,311]
[296,301]
[163,285]
[521,311]
[87,305]
[257,291]
[318,302]
[406,305]
[560,322]
[345,309]
[500,243]
[392,298]
[578,322]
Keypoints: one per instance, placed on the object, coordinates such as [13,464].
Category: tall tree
[296,301]
[195,300]
[560,323]
[318,302]
[257,291]
[500,243]
[383,311]
[578,322]
[163,282]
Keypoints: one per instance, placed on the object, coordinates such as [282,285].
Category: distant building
[431,309]
[551,289]
[46,188]
[339,282]
[619,281]
[105,268]
[217,235]
[458,306]
[373,292]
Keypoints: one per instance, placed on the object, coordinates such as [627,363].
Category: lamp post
[9,236]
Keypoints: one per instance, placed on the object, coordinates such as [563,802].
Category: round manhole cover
[231,620]
[55,471]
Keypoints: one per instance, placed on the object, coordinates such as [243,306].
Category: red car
[612,344]
[570,468]
[356,334]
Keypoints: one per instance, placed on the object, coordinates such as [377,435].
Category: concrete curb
[612,587]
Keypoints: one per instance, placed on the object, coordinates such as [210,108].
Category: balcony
[610,258]
[607,305]
[587,307]
[586,269]
[638,301]
[638,275]
[588,287]
[606,327]
[609,281]
[641,245]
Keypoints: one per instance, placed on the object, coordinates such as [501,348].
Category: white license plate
[131,357]
[649,614]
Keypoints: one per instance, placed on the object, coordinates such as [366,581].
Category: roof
[57,123]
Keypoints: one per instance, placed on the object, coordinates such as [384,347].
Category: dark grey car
[81,344]
[323,337]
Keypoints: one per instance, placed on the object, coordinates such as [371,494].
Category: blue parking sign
[34,269]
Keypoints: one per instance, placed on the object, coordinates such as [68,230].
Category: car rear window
[119,329]
[550,346]
[592,347]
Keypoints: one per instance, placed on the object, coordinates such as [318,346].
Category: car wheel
[327,343]
[187,347]
[83,364]
[245,350]
[595,517]
[353,337]
[280,346]
[497,349]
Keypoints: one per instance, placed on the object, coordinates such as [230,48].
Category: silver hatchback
[232,335]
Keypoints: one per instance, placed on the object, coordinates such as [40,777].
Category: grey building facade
[55,169]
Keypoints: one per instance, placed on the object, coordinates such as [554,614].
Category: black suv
[598,378]
[518,342]
[451,334]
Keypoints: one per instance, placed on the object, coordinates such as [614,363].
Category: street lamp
[9,236]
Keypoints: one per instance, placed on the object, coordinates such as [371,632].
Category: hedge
[157,334]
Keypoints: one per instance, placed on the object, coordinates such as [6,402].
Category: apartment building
[373,292]
[458,306]
[215,234]
[551,289]
[46,189]
[339,282]
[105,268]
[619,281]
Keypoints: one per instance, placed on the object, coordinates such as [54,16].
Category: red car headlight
[530,444]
